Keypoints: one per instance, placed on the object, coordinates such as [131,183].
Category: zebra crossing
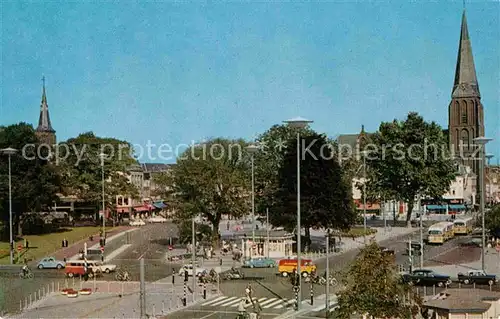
[265,302]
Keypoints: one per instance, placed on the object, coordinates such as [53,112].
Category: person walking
[241,309]
[257,309]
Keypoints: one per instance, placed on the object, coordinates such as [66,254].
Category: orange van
[288,266]
[76,268]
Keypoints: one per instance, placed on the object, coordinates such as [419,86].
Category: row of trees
[38,176]
[209,184]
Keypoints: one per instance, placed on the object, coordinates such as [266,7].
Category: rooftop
[463,300]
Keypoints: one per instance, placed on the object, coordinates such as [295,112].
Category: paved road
[152,245]
[16,289]
[267,284]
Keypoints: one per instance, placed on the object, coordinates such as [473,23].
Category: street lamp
[251,149]
[298,123]
[490,192]
[364,195]
[9,152]
[102,156]
[482,141]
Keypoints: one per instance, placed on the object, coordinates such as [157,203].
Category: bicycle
[244,315]
[26,275]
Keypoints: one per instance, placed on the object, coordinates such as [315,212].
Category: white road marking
[224,301]
[215,300]
[267,302]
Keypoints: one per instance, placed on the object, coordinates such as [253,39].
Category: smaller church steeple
[465,84]
[44,131]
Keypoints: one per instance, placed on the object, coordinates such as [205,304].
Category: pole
[253,201]
[410,254]
[267,231]
[421,240]
[327,289]
[10,214]
[103,201]
[143,290]
[193,256]
[481,180]
[299,272]
[385,219]
[364,198]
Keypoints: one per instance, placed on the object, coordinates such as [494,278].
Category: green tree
[326,199]
[81,167]
[410,159]
[267,161]
[372,286]
[492,219]
[35,182]
[209,180]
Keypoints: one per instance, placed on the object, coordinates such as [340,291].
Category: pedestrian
[241,308]
[227,225]
[257,309]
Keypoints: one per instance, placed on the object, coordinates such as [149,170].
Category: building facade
[44,131]
[465,111]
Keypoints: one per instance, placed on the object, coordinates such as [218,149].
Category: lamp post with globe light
[9,152]
[298,123]
[251,149]
[482,141]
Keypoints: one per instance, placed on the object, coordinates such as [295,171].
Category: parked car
[425,277]
[189,267]
[157,219]
[50,263]
[477,277]
[103,267]
[137,222]
[261,262]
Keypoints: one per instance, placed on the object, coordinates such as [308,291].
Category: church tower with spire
[45,133]
[466,119]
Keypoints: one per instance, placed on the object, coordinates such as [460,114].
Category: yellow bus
[440,232]
[463,226]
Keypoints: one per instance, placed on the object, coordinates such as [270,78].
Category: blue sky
[177,72]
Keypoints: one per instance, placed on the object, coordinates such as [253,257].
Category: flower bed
[85,291]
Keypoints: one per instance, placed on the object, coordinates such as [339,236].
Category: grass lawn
[46,244]
[359,232]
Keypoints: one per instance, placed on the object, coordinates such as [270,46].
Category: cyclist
[25,270]
[242,314]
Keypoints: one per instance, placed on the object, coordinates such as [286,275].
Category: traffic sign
[102,249]
[296,288]
[170,247]
[19,247]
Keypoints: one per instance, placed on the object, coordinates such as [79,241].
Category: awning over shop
[123,210]
[142,208]
[457,206]
[436,207]
[159,205]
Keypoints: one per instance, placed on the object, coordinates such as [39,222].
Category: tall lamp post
[364,196]
[251,149]
[102,156]
[482,141]
[490,193]
[9,152]
[298,123]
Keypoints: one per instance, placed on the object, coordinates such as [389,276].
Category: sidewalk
[74,249]
[306,307]
[348,244]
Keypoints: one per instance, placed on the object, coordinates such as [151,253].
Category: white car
[137,222]
[157,219]
[199,271]
[107,268]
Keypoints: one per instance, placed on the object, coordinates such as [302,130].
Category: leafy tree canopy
[326,199]
[409,159]
[80,163]
[34,182]
[492,219]
[267,161]
[373,287]
[210,180]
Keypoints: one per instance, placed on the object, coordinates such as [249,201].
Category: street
[277,293]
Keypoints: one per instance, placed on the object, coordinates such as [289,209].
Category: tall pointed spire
[465,84]
[44,124]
